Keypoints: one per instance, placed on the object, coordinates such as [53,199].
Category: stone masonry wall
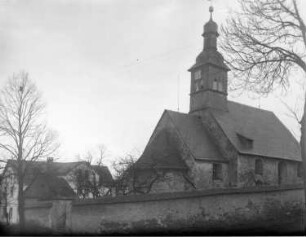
[205,210]
[205,176]
[246,169]
[38,214]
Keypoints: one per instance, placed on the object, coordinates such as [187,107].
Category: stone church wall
[204,176]
[246,171]
[168,181]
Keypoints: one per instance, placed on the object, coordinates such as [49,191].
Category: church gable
[196,136]
[178,141]
[163,152]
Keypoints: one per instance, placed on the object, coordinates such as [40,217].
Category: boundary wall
[201,211]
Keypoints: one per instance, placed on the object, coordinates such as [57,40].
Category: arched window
[220,86]
[300,170]
[282,172]
[258,167]
[197,86]
[215,84]
[201,84]
[217,172]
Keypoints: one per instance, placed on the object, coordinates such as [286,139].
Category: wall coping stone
[182,195]
[39,205]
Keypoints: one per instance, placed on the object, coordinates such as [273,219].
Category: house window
[197,75]
[217,172]
[300,170]
[258,167]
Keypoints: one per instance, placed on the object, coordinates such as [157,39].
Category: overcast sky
[109,68]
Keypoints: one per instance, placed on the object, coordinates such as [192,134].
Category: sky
[107,69]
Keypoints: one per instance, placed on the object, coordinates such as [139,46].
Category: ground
[292,225]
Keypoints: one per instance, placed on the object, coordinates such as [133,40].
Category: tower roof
[210,55]
[210,27]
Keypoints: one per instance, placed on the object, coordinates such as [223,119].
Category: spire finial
[211,9]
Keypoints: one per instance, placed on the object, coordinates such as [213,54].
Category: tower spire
[209,74]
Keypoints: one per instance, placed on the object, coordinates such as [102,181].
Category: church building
[219,143]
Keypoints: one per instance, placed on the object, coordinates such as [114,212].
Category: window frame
[299,170]
[197,75]
[215,84]
[217,172]
[259,167]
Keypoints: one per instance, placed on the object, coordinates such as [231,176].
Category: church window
[217,172]
[215,84]
[220,86]
[197,75]
[282,172]
[201,84]
[258,167]
[299,170]
[197,86]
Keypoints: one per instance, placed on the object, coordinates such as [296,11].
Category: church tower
[209,74]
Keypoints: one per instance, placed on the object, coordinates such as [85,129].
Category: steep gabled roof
[195,136]
[49,187]
[163,152]
[38,167]
[250,130]
[106,177]
[269,137]
[163,149]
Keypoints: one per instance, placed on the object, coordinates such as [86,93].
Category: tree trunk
[303,154]
[20,198]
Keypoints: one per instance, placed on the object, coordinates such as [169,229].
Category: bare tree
[102,154]
[123,167]
[23,132]
[131,177]
[264,43]
[87,183]
[94,156]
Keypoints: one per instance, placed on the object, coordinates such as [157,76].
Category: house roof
[49,187]
[38,167]
[269,136]
[59,169]
[106,177]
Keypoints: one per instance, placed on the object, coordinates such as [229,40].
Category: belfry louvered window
[197,75]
